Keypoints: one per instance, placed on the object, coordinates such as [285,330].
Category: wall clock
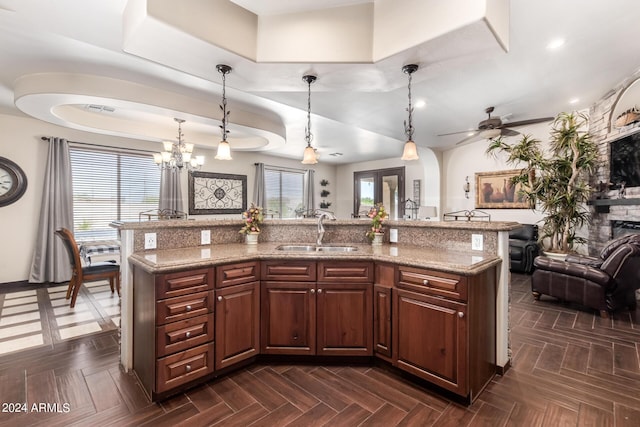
[13,182]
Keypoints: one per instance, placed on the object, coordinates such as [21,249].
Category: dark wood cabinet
[385,277]
[237,313]
[288,318]
[173,327]
[449,341]
[324,317]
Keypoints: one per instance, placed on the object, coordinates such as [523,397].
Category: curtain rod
[46,138]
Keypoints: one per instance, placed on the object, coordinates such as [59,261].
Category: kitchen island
[426,273]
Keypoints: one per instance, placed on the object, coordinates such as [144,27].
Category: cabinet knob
[188,308]
[460,314]
[220,298]
[188,368]
[188,334]
[425,282]
[313,291]
[295,337]
[319,291]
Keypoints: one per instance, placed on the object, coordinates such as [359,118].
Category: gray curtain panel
[170,190]
[51,262]
[309,193]
[259,186]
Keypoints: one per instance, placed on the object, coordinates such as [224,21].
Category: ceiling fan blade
[508,132]
[528,122]
[457,133]
[470,138]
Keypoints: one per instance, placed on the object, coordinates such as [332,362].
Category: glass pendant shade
[309,156]
[224,151]
[490,133]
[410,151]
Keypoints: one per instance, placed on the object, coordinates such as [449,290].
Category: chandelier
[410,151]
[309,156]
[224,149]
[178,155]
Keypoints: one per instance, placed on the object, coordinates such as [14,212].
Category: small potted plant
[253,218]
[377,214]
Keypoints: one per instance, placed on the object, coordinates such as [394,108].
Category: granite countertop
[163,261]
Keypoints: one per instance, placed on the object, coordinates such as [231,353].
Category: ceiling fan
[492,127]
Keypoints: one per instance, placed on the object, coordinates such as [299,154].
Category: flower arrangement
[252,217]
[377,214]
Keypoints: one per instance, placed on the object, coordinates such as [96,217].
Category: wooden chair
[90,273]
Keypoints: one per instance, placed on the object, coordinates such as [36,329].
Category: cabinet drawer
[433,282]
[289,271]
[178,336]
[349,272]
[183,307]
[183,282]
[180,368]
[237,274]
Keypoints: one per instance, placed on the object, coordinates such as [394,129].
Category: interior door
[384,186]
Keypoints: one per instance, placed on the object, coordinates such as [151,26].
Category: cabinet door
[237,313]
[345,319]
[430,339]
[382,320]
[288,318]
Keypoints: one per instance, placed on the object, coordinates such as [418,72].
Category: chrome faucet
[321,215]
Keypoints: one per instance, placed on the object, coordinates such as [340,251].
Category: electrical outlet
[150,240]
[476,242]
[205,237]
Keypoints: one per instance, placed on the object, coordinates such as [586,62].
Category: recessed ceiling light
[574,100]
[420,104]
[555,44]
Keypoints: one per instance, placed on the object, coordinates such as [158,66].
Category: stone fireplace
[614,214]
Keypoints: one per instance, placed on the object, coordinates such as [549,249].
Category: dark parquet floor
[569,368]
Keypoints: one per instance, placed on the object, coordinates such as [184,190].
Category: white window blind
[108,186]
[284,191]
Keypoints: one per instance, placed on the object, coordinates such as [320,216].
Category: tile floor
[42,316]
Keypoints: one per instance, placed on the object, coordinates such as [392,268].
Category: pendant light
[410,151]
[309,156]
[224,149]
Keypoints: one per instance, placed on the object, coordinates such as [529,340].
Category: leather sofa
[605,283]
[523,248]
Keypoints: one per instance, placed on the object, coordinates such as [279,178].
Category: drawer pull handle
[188,334]
[188,368]
[460,314]
[319,291]
[219,298]
[188,308]
[313,291]
[425,282]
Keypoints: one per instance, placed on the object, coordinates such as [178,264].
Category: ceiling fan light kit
[309,156]
[410,151]
[224,149]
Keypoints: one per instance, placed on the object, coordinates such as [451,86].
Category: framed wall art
[217,193]
[494,190]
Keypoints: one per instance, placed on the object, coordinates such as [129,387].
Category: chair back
[72,248]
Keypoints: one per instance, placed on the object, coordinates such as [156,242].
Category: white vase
[555,255]
[377,239]
[251,238]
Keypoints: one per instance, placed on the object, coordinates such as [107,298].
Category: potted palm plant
[556,180]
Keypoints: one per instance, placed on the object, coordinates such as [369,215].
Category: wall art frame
[217,193]
[494,190]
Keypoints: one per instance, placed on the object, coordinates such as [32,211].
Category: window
[284,189]
[108,186]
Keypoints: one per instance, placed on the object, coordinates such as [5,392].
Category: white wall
[22,143]
[466,160]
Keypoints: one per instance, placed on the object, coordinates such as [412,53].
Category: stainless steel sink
[336,248]
[315,248]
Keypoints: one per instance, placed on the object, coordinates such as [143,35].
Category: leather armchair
[605,283]
[523,248]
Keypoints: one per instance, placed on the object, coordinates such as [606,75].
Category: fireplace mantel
[602,205]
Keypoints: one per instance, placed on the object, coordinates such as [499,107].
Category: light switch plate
[150,240]
[205,237]
[476,242]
